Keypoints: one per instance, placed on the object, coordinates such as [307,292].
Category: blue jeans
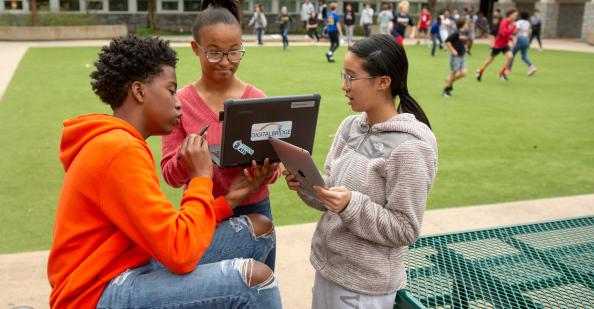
[259,33]
[522,45]
[285,34]
[262,207]
[435,37]
[216,282]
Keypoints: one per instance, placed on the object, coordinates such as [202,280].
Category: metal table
[541,265]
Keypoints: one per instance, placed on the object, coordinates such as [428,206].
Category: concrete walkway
[23,280]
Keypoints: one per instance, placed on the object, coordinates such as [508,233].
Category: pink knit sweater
[197,114]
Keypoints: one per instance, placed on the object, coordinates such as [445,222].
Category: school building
[561,18]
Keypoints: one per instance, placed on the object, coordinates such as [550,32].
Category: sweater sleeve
[132,199]
[174,171]
[410,173]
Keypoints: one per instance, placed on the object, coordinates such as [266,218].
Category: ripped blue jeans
[217,281]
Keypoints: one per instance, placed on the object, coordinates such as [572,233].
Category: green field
[498,141]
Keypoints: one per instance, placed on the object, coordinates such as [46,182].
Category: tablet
[299,162]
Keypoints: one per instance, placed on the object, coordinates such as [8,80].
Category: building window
[42,5]
[69,5]
[142,5]
[118,5]
[169,6]
[192,5]
[290,4]
[94,5]
[267,4]
[246,5]
[13,5]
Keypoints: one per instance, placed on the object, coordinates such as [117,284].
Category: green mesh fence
[542,265]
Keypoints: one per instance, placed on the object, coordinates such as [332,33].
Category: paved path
[23,280]
[23,275]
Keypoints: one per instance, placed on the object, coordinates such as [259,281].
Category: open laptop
[248,123]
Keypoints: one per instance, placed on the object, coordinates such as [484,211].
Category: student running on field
[334,29]
[402,20]
[456,43]
[523,43]
[507,29]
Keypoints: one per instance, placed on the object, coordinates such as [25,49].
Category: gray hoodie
[389,168]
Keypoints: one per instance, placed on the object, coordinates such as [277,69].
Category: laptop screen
[248,123]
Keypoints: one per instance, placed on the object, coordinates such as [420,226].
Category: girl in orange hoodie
[118,242]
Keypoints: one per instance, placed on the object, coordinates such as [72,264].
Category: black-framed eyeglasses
[215,56]
[348,79]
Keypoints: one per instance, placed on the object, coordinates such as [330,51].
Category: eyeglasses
[215,56]
[349,79]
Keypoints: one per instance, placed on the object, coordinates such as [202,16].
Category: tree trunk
[33,4]
[151,17]
[431,6]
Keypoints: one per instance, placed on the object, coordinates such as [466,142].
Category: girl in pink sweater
[217,44]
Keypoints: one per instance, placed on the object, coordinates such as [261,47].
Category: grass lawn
[498,141]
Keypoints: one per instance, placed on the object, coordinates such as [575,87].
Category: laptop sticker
[262,131]
[242,148]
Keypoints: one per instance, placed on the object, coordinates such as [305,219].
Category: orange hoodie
[112,215]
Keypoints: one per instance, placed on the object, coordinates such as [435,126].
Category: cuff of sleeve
[353,207]
[222,209]
[200,184]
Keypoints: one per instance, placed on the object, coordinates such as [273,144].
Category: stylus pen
[199,134]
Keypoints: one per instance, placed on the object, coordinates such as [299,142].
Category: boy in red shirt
[507,29]
[424,23]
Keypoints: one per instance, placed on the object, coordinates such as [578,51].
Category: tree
[152,14]
[33,4]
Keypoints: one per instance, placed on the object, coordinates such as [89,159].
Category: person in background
[456,43]
[424,25]
[507,29]
[385,18]
[446,25]
[471,20]
[259,23]
[435,35]
[367,19]
[334,29]
[536,23]
[306,8]
[482,24]
[284,22]
[312,27]
[523,43]
[349,22]
[455,15]
[402,20]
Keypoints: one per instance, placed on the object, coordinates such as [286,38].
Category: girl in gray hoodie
[378,174]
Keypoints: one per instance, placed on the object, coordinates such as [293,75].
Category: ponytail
[409,105]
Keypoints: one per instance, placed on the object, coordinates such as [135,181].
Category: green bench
[541,265]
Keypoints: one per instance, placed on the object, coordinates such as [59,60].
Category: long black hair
[384,56]
[215,12]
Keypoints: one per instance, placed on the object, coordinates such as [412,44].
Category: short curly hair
[126,60]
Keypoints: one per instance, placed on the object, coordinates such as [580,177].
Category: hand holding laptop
[249,181]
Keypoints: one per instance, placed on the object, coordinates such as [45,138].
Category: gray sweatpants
[327,295]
